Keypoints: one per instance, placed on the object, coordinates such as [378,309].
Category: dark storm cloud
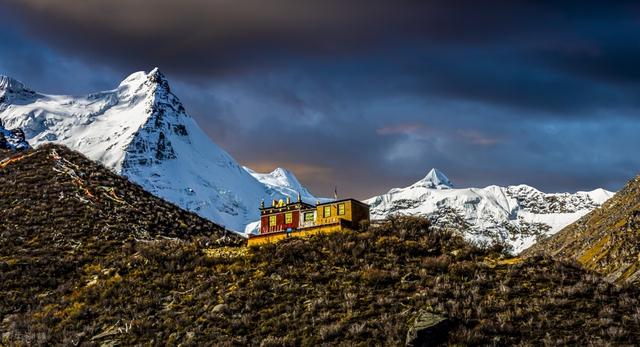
[212,36]
[227,34]
[460,49]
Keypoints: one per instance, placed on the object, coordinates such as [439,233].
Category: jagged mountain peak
[145,82]
[154,75]
[141,130]
[11,88]
[284,181]
[435,179]
[287,178]
[282,172]
[11,83]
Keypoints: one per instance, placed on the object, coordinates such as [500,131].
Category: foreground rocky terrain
[61,214]
[379,286]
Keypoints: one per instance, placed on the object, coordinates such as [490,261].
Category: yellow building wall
[334,218]
[266,238]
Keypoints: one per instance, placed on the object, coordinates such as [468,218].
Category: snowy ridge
[284,182]
[516,215]
[142,131]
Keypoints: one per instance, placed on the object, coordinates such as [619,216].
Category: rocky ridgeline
[606,240]
[534,201]
[153,145]
[52,188]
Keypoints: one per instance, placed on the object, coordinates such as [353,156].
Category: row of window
[288,219]
[327,210]
[308,217]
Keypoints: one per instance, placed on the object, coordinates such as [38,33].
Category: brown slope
[346,289]
[606,240]
[60,211]
[5,153]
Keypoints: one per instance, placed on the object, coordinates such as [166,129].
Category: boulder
[220,308]
[410,277]
[428,329]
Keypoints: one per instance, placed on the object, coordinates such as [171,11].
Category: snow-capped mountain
[284,182]
[517,215]
[142,131]
[435,179]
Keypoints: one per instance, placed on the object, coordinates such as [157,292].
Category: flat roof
[343,200]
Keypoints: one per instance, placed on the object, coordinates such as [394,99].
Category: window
[288,218]
[340,209]
[308,217]
[327,211]
[272,221]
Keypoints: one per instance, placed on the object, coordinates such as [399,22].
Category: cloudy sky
[367,94]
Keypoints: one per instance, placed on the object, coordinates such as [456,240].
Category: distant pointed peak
[286,174]
[435,179]
[10,83]
[281,172]
[7,82]
[154,76]
[11,88]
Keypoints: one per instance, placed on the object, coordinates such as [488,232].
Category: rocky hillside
[515,215]
[384,285]
[606,240]
[61,213]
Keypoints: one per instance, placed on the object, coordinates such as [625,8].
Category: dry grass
[356,288]
[607,240]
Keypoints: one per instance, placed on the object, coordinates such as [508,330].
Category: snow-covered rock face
[284,182]
[141,130]
[12,139]
[516,215]
[11,89]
